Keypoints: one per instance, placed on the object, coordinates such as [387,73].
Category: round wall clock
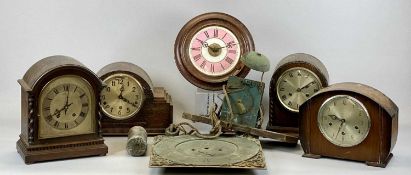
[296,78]
[208,49]
[59,111]
[349,121]
[129,99]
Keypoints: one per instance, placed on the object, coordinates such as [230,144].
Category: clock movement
[129,99]
[59,111]
[208,49]
[296,78]
[349,121]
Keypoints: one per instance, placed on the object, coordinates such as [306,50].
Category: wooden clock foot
[313,156]
[381,164]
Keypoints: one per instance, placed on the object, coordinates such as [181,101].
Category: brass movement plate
[222,152]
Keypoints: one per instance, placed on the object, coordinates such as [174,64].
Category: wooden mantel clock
[59,111]
[296,78]
[208,49]
[349,121]
[129,99]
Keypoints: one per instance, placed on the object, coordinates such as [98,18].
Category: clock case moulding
[283,120]
[156,113]
[29,146]
[182,46]
[375,149]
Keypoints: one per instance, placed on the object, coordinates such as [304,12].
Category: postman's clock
[208,49]
[59,111]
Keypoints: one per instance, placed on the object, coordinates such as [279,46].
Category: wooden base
[313,156]
[39,153]
[382,164]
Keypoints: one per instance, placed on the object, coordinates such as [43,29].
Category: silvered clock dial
[295,86]
[123,96]
[65,104]
[344,120]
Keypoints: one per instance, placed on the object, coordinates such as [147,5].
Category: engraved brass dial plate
[191,151]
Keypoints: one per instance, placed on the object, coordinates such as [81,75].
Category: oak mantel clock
[59,111]
[349,121]
[208,49]
[296,78]
[129,99]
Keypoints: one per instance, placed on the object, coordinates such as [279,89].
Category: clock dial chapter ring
[344,121]
[183,47]
[123,96]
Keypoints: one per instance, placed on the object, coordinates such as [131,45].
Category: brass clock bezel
[318,80]
[140,88]
[321,109]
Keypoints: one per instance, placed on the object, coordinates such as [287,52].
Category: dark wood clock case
[29,146]
[281,119]
[376,149]
[155,115]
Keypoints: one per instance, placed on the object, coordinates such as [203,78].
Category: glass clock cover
[123,96]
[295,86]
[344,120]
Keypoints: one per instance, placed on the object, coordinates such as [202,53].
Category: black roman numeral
[75,89]
[201,41]
[215,33]
[224,36]
[66,87]
[84,104]
[212,68]
[206,34]
[47,108]
[222,66]
[81,96]
[56,91]
[56,124]
[203,64]
[229,60]
[82,114]
[197,57]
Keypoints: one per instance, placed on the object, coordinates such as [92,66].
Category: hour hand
[334,117]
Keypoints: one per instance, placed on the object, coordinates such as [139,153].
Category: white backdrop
[359,41]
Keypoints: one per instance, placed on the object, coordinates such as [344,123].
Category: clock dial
[123,96]
[344,120]
[295,86]
[66,107]
[214,51]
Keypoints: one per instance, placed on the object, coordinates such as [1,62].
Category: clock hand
[120,96]
[66,104]
[57,112]
[128,101]
[334,117]
[339,129]
[307,85]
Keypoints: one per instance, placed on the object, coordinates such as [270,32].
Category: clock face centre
[214,49]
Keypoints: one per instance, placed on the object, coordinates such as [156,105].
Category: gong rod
[252,131]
